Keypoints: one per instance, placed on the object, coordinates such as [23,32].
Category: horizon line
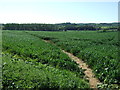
[63,22]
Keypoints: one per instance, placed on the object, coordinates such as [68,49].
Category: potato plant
[29,46]
[20,74]
[98,49]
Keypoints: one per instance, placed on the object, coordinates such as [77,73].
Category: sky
[58,11]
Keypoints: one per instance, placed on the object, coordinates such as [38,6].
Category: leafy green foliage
[98,50]
[18,73]
[33,47]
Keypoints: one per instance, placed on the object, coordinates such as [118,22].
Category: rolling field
[30,62]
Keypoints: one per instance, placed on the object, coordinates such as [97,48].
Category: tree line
[56,27]
[47,27]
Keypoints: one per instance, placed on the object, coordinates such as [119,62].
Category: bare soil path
[88,72]
[89,75]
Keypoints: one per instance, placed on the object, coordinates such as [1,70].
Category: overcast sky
[58,11]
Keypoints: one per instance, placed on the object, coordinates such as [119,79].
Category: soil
[89,75]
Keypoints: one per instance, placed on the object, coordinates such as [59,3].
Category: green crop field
[30,62]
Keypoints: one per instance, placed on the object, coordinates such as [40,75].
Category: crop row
[21,74]
[98,50]
[32,47]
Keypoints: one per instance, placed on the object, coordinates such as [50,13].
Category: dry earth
[89,75]
[88,72]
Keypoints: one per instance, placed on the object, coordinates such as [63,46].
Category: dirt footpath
[89,75]
[88,72]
